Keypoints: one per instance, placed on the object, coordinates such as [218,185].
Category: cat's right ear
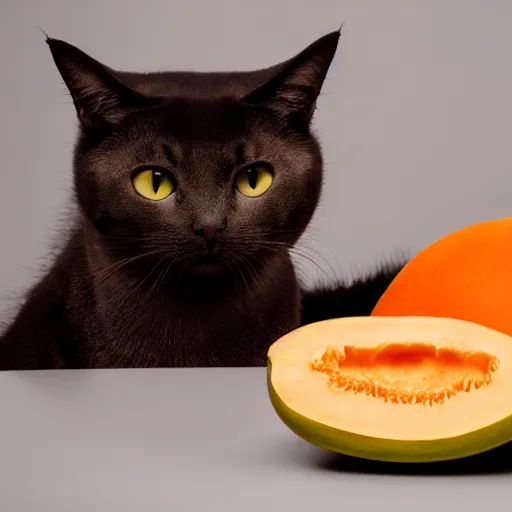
[99,97]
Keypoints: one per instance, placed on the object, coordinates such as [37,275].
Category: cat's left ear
[292,90]
[100,98]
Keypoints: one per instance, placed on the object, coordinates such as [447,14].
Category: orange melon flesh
[383,387]
[406,373]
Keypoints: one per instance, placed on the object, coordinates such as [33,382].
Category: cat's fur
[129,288]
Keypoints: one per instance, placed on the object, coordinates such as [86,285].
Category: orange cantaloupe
[465,275]
[400,389]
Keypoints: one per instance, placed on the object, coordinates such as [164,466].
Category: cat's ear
[99,97]
[293,88]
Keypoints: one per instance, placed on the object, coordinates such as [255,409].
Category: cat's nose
[209,229]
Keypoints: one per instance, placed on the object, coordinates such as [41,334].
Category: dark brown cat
[191,188]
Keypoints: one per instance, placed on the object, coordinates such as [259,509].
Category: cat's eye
[154,184]
[254,181]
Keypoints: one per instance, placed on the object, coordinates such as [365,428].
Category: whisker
[104,273]
[278,245]
[311,260]
[306,252]
[166,268]
[161,260]
[240,271]
[141,282]
[246,263]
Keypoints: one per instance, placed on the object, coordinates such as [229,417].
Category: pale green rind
[389,450]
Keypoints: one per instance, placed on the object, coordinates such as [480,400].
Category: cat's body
[192,188]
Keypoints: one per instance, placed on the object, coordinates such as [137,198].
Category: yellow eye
[254,181]
[153,184]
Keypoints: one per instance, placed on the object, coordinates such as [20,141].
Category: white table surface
[200,439]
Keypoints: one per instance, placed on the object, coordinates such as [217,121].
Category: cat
[191,188]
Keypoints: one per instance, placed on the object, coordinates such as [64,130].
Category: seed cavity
[406,373]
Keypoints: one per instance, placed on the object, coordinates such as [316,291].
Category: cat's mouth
[208,265]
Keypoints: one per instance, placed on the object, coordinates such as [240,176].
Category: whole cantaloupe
[465,275]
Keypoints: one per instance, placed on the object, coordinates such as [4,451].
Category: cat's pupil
[252,177]
[156,180]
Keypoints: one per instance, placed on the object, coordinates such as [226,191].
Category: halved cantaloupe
[401,389]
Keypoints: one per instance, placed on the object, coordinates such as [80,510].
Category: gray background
[415,116]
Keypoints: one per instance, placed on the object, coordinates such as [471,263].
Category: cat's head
[214,171]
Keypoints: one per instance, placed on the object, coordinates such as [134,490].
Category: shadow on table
[496,461]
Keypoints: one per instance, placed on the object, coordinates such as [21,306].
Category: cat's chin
[207,267]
